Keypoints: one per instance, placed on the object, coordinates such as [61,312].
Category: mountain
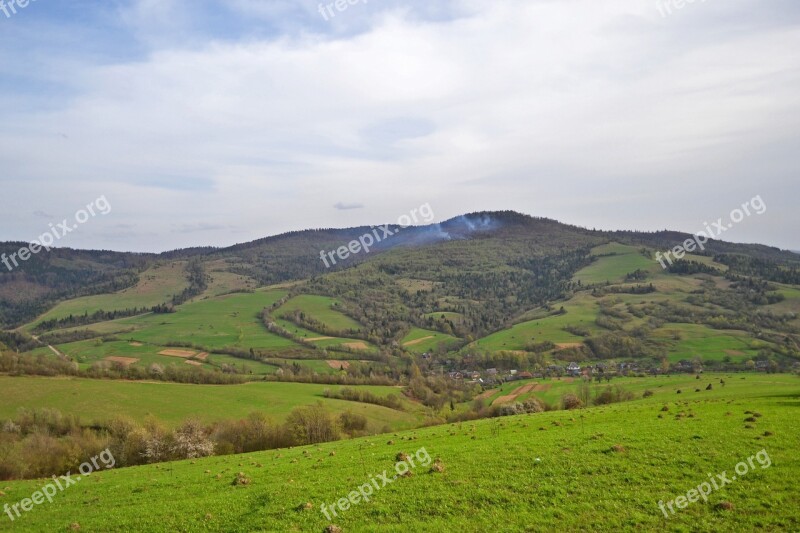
[494,253]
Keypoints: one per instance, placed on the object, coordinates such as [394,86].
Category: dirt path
[516,393]
[417,341]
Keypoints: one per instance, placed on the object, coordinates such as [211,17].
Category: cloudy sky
[214,122]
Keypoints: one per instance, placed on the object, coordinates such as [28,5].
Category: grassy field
[581,310]
[598,469]
[87,352]
[421,340]
[227,321]
[694,340]
[322,340]
[98,400]
[156,285]
[625,259]
[320,308]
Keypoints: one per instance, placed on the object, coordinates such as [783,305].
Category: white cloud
[602,114]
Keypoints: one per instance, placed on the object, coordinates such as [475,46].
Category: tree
[191,441]
[312,425]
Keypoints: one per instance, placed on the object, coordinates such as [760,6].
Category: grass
[226,322]
[99,400]
[580,310]
[625,259]
[421,340]
[695,340]
[320,308]
[156,285]
[318,339]
[598,469]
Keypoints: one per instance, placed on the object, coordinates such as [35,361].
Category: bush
[352,422]
[571,401]
[312,425]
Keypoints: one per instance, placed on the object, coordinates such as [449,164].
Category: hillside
[552,471]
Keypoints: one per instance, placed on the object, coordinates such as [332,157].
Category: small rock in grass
[332,529]
[724,506]
[74,526]
[305,506]
[401,457]
[618,448]
[391,442]
[437,466]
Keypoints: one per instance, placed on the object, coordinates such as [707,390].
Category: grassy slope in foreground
[100,400]
[492,480]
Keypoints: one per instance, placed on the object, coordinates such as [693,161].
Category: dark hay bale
[241,479]
[679,391]
[748,426]
[750,419]
[710,387]
[757,415]
[768,433]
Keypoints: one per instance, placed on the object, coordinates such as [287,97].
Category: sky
[217,122]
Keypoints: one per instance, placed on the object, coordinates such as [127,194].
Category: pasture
[552,471]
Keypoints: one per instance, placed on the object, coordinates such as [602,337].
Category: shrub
[571,401]
[351,421]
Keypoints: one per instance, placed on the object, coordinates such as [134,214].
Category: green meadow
[156,286]
[320,308]
[595,469]
[421,340]
[231,321]
[615,261]
[100,400]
